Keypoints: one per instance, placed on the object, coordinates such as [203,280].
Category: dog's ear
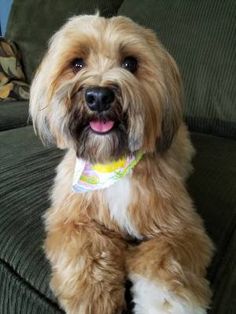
[46,111]
[39,104]
[172,103]
[170,92]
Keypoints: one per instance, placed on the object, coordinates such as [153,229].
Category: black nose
[99,98]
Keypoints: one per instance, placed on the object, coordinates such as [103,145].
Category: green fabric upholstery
[13,114]
[201,37]
[26,173]
[213,189]
[18,297]
[32,23]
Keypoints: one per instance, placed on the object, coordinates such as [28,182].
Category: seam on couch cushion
[28,286]
[215,127]
[118,8]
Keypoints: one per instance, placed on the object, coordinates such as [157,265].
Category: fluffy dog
[110,94]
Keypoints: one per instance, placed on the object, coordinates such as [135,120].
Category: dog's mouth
[99,126]
[99,137]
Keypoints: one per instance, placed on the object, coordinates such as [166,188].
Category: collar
[91,177]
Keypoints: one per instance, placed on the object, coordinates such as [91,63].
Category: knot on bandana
[91,177]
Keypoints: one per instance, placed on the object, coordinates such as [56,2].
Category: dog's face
[106,88]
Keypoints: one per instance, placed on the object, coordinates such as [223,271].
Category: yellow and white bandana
[91,177]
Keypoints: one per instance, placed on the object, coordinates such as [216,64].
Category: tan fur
[90,253]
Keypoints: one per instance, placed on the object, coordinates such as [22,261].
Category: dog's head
[106,88]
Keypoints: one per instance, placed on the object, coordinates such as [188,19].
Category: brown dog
[109,93]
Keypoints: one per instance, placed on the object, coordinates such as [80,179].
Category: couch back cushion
[199,34]
[201,37]
[32,23]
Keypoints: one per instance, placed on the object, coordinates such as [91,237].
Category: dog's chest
[118,197]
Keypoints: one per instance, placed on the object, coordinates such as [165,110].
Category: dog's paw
[153,298]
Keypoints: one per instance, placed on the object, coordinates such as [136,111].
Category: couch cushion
[213,188]
[43,19]
[201,37]
[13,114]
[19,297]
[26,173]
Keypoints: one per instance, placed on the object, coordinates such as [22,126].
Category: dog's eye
[130,64]
[77,64]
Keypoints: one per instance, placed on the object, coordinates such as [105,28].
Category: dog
[110,94]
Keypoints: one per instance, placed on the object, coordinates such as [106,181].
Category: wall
[5,6]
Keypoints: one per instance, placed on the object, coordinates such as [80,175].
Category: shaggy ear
[171,92]
[39,104]
[47,110]
[172,103]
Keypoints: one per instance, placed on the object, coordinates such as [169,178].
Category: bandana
[91,177]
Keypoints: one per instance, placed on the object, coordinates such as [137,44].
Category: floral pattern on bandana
[89,177]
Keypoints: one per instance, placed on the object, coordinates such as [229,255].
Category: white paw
[152,298]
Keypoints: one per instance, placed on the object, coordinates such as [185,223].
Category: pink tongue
[101,126]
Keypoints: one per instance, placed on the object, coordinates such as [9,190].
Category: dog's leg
[87,268]
[168,278]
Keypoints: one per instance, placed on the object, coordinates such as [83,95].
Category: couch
[200,35]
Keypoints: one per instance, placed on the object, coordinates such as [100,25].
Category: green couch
[200,35]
